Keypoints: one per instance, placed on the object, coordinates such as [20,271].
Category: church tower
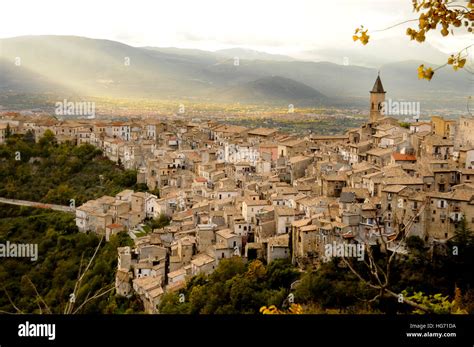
[377,97]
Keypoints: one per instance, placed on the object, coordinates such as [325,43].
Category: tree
[29,137]
[234,287]
[461,251]
[8,131]
[442,15]
[281,274]
[377,271]
[227,269]
[171,304]
[160,223]
[463,236]
[405,125]
[48,139]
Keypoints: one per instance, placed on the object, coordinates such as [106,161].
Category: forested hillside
[55,173]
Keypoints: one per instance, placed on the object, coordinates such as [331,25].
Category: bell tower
[377,97]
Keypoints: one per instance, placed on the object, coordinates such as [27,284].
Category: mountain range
[95,67]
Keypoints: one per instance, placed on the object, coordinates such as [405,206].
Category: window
[434,211]
[445,235]
[235,243]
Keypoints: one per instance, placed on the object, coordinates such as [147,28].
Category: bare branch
[12,303]
[77,286]
[97,295]
[39,296]
[396,25]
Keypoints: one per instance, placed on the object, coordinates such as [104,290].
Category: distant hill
[69,64]
[249,54]
[274,89]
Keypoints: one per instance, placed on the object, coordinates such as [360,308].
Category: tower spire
[377,97]
[378,87]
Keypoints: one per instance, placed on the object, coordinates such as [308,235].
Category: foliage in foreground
[53,275]
[233,288]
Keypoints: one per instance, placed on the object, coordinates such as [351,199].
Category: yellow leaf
[420,71]
[429,74]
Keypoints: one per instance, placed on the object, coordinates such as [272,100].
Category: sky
[273,26]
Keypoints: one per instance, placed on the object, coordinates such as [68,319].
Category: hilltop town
[232,191]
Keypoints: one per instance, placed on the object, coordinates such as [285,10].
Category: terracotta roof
[114,226]
[262,131]
[396,188]
[403,157]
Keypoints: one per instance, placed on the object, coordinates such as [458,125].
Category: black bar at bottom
[268,330]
